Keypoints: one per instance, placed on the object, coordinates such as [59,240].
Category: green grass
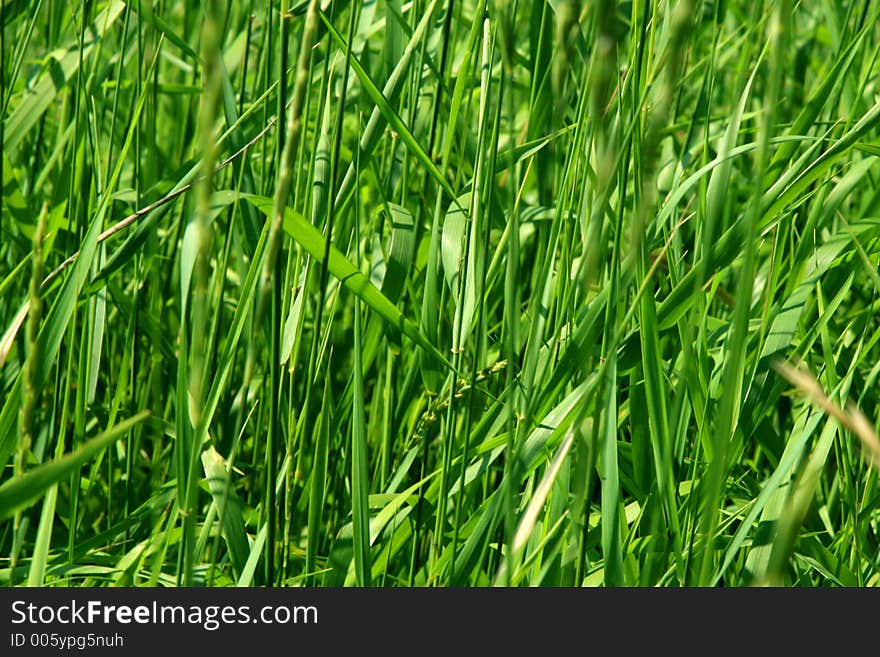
[439,293]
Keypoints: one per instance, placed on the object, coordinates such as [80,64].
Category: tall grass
[439,293]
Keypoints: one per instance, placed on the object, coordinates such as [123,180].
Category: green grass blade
[307,236]
[392,116]
[229,508]
[21,491]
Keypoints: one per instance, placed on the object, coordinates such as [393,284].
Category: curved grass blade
[18,493]
[310,239]
[402,250]
[453,240]
[228,506]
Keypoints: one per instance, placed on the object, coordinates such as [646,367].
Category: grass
[439,293]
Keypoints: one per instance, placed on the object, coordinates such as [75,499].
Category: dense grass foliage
[439,293]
